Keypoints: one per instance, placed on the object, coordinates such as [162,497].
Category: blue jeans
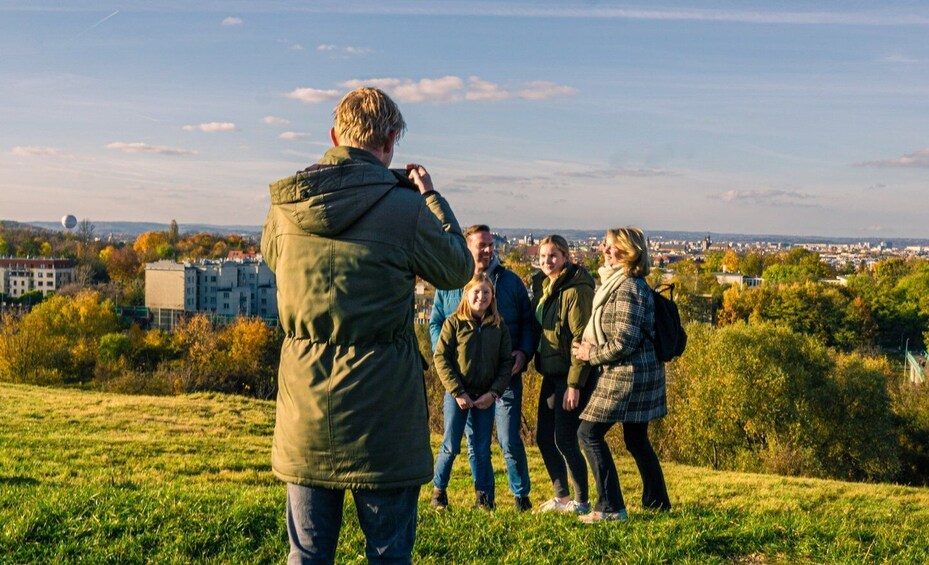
[482,427]
[508,411]
[387,518]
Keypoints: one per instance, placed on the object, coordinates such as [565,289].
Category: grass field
[99,478]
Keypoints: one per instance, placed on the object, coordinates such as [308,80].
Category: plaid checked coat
[631,385]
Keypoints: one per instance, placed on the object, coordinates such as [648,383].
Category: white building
[739,279]
[20,275]
[229,288]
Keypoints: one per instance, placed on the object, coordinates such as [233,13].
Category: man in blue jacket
[513,303]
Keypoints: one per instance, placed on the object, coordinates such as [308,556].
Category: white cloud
[212,127]
[35,151]
[450,88]
[543,90]
[232,21]
[357,50]
[616,172]
[312,95]
[484,90]
[293,135]
[139,147]
[917,159]
[343,50]
[770,196]
[296,47]
[601,11]
[275,121]
[899,58]
[445,89]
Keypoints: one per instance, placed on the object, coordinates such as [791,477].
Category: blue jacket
[512,301]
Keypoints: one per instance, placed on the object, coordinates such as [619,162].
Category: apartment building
[226,289]
[21,275]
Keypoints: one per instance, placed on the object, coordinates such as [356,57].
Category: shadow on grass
[19,481]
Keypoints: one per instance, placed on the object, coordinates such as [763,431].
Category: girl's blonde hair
[491,315]
[631,241]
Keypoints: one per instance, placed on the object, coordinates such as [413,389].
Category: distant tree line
[793,378]
[116,269]
[885,308]
[79,340]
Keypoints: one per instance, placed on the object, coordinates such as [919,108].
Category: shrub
[763,398]
[911,413]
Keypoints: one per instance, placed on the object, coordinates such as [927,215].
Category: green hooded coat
[346,239]
[564,317]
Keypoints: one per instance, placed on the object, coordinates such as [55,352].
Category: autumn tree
[62,335]
[731,261]
[85,231]
[712,261]
[121,263]
[752,264]
[147,246]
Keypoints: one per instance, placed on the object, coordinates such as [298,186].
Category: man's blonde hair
[631,241]
[366,116]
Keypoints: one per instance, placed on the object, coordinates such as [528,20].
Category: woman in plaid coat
[631,386]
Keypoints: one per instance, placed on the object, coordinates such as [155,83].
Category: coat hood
[574,275]
[330,196]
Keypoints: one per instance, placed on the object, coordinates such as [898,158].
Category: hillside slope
[100,478]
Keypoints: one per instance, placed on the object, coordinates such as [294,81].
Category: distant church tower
[707,242]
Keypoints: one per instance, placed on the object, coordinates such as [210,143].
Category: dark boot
[483,500]
[523,504]
[439,499]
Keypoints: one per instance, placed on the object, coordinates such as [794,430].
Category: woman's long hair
[491,315]
[631,241]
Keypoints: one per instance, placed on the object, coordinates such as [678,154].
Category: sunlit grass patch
[99,478]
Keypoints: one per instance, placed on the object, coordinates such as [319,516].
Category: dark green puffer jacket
[473,358]
[346,244]
[564,317]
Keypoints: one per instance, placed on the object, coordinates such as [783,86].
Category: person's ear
[334,137]
[391,141]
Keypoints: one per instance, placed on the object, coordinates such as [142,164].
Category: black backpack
[670,339]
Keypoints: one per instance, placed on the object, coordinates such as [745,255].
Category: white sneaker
[571,506]
[577,507]
[552,505]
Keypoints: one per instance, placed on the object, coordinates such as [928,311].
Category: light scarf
[611,278]
[547,286]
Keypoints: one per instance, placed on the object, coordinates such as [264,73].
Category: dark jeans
[387,518]
[556,436]
[610,496]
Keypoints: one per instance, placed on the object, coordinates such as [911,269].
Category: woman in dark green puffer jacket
[562,297]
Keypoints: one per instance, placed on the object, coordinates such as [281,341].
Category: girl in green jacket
[473,361]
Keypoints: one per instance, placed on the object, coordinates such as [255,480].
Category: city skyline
[805,119]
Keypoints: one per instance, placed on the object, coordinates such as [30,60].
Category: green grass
[100,478]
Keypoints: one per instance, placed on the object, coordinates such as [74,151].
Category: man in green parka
[347,238]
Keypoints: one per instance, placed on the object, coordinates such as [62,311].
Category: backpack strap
[658,290]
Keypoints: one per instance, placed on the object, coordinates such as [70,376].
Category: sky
[788,117]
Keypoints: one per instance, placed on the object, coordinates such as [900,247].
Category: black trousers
[610,496]
[556,436]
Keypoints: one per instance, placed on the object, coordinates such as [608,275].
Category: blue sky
[754,117]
